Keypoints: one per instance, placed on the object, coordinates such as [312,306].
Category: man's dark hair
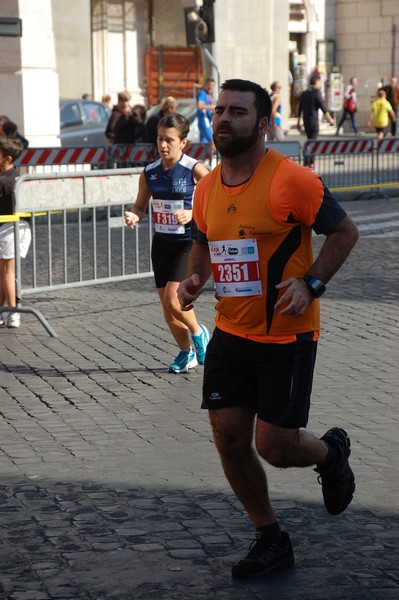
[10,147]
[263,103]
[314,79]
[177,121]
[9,128]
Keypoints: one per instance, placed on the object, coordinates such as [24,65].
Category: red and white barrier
[200,151]
[98,155]
[33,157]
[145,153]
[388,145]
[139,153]
[338,147]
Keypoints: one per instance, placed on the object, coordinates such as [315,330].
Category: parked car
[188,108]
[83,123]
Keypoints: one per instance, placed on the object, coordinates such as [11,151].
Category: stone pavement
[110,485]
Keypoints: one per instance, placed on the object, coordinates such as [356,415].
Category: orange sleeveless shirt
[272,212]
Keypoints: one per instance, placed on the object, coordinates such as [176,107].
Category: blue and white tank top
[171,190]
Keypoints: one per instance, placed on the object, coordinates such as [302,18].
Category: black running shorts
[169,260]
[275,380]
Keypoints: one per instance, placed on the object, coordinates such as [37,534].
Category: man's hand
[188,290]
[297,296]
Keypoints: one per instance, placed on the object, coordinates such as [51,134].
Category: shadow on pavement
[94,541]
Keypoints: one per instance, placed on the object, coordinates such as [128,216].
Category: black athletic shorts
[275,380]
[383,130]
[169,260]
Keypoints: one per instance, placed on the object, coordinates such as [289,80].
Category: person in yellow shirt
[381,110]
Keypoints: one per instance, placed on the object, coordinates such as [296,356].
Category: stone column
[28,76]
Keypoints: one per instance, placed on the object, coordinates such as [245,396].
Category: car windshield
[70,115]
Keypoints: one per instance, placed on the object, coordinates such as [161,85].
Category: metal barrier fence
[291,149]
[78,232]
[355,163]
[388,161]
[342,162]
[78,220]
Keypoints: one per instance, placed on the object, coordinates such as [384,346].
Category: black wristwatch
[316,286]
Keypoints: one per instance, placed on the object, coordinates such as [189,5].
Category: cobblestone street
[111,488]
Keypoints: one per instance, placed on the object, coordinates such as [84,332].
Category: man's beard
[232,147]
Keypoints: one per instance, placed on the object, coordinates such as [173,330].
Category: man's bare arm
[335,250]
[333,253]
[201,269]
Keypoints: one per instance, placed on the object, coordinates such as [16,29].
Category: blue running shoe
[184,361]
[200,342]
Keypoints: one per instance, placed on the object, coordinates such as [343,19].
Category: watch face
[317,287]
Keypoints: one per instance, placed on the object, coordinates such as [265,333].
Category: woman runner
[170,182]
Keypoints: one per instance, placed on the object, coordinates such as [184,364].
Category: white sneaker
[2,321]
[14,320]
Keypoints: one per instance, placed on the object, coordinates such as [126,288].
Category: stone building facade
[367,45]
[98,46]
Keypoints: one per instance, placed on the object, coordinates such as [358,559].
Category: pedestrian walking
[254,215]
[205,106]
[392,92]
[170,182]
[381,110]
[275,129]
[350,106]
[310,102]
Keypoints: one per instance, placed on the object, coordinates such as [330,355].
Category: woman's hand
[183,216]
[131,219]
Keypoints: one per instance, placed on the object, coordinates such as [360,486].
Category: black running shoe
[264,557]
[337,480]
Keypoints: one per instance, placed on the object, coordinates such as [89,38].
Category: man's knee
[277,446]
[231,447]
[233,438]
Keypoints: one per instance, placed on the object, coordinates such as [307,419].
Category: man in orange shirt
[253,218]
